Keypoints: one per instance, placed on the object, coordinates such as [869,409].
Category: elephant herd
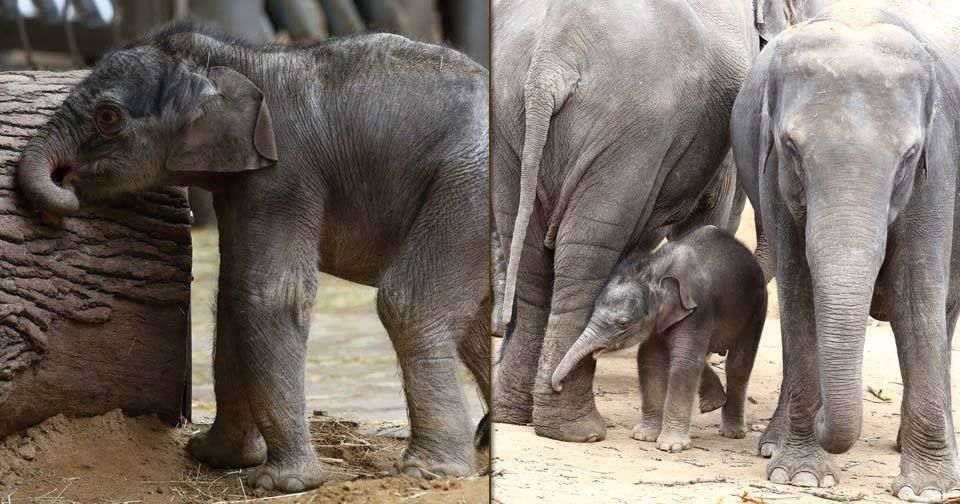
[612,128]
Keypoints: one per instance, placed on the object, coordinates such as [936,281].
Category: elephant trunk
[845,249]
[588,342]
[42,158]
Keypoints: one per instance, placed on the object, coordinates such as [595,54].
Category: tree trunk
[94,314]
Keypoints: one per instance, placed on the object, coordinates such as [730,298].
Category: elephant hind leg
[474,351]
[711,391]
[739,366]
[441,441]
[435,309]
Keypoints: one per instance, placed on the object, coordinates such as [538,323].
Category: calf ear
[676,305]
[230,130]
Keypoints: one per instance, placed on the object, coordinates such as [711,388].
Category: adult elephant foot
[419,465]
[288,475]
[807,466]
[927,480]
[511,404]
[217,449]
[584,426]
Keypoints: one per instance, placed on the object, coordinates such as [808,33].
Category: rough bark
[94,315]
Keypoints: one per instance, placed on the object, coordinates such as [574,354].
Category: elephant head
[837,129]
[634,304]
[146,116]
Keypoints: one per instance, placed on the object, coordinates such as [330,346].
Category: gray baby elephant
[700,294]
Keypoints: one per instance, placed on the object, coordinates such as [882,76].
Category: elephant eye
[621,323]
[109,118]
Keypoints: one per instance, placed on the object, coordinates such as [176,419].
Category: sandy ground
[113,459]
[528,468]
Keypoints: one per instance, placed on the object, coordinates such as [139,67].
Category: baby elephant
[700,294]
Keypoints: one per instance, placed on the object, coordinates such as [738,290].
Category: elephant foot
[712,402]
[418,466]
[229,452]
[285,476]
[511,406]
[927,482]
[807,466]
[549,422]
[673,441]
[646,431]
[770,439]
[735,428]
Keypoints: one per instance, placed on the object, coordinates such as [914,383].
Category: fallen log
[94,314]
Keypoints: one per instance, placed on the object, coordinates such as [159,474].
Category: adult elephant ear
[771,17]
[677,303]
[231,129]
[774,16]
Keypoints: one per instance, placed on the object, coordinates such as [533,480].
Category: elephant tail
[548,86]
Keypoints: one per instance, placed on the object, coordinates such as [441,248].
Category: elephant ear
[771,17]
[676,305]
[231,130]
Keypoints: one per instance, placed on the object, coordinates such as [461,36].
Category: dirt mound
[113,458]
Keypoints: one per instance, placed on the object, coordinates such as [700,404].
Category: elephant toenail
[906,493]
[294,485]
[931,495]
[828,481]
[265,482]
[766,450]
[414,472]
[778,475]
[804,479]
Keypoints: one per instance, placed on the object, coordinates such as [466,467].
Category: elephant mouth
[596,353]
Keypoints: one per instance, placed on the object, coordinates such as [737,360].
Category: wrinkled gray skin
[702,293]
[845,137]
[609,125]
[358,157]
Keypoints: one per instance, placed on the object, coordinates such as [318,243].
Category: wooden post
[93,315]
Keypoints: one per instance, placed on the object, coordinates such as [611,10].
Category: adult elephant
[610,125]
[845,137]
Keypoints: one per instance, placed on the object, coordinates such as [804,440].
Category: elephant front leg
[271,303]
[929,469]
[587,250]
[233,441]
[652,358]
[688,356]
[798,459]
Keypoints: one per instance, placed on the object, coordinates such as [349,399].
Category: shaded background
[352,370]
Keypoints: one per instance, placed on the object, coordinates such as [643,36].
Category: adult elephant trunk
[588,342]
[845,247]
[42,159]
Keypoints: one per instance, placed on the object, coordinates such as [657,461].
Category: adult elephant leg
[590,240]
[517,369]
[929,471]
[234,439]
[715,206]
[798,459]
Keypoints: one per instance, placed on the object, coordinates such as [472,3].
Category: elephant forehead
[876,52]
